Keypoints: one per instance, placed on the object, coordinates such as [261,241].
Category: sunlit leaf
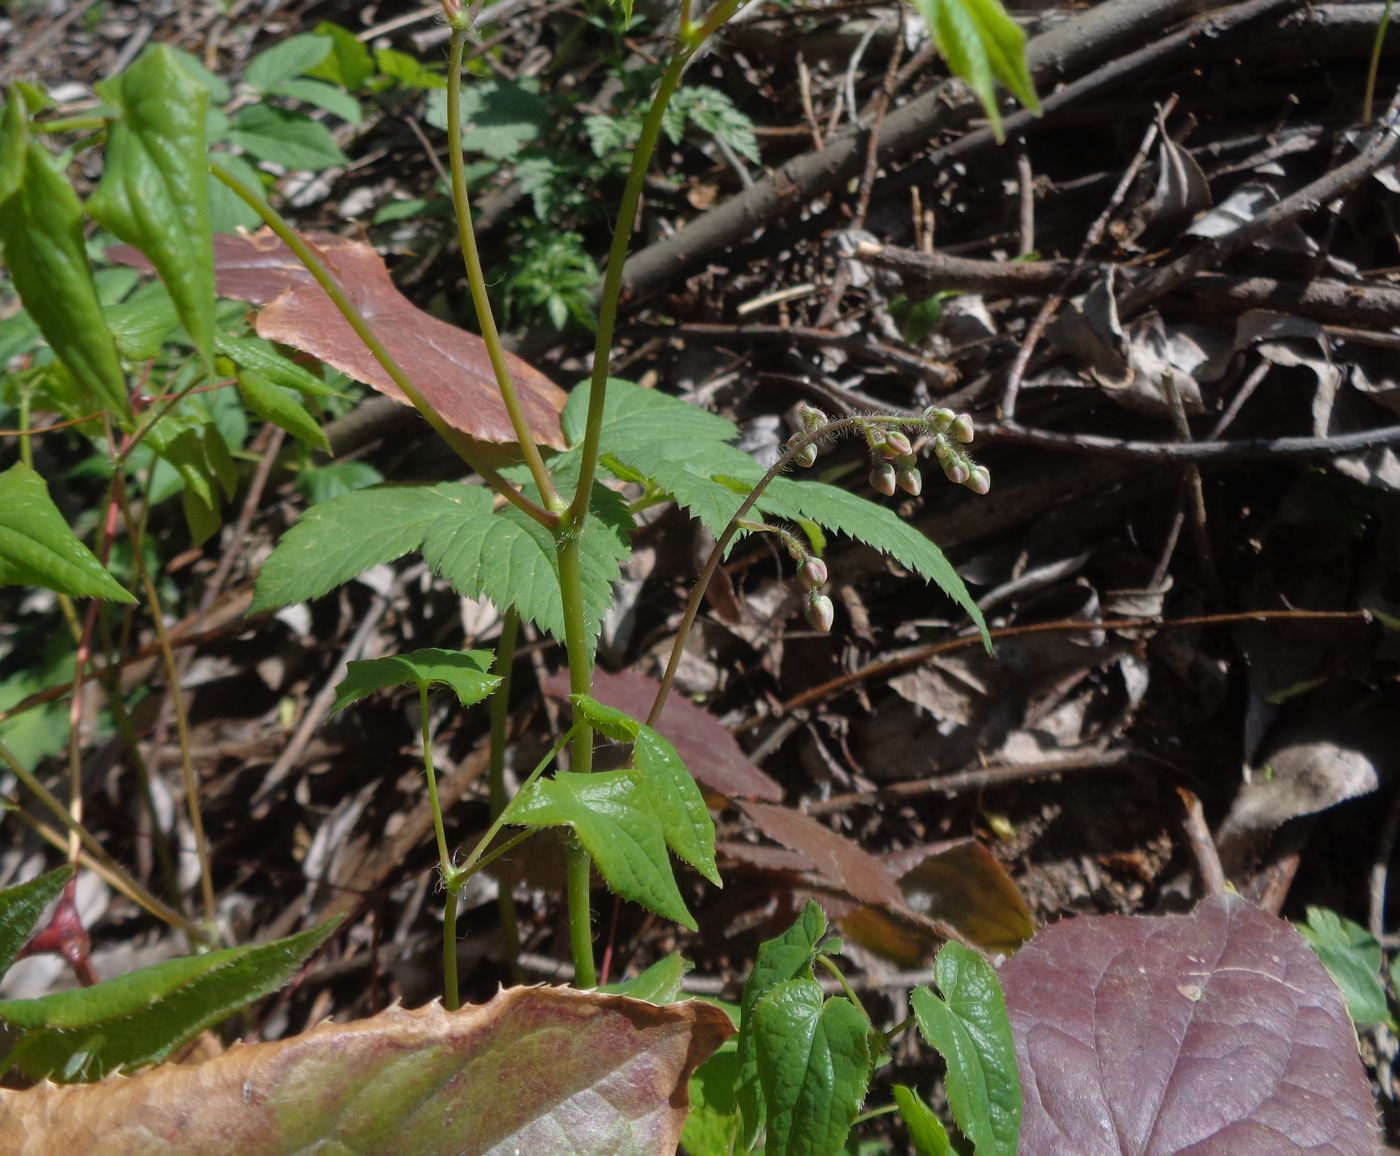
[464,672]
[21,908]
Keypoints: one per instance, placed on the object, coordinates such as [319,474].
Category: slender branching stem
[469,867]
[578,885]
[1368,101]
[476,280]
[459,442]
[500,720]
[827,962]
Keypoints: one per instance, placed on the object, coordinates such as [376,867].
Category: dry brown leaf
[534,1070]
[836,858]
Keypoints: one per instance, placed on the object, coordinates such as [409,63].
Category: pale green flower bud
[806,456]
[812,418]
[910,481]
[938,418]
[882,479]
[813,573]
[955,472]
[820,612]
[962,428]
[896,445]
[979,481]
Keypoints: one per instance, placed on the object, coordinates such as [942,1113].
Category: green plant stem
[177,700]
[500,820]
[455,439]
[444,856]
[476,280]
[113,871]
[449,873]
[450,997]
[830,965]
[579,878]
[504,849]
[1368,102]
[697,592]
[500,721]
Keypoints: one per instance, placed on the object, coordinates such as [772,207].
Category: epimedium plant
[542,538]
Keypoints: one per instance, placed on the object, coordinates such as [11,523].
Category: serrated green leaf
[256,354]
[321,483]
[321,95]
[615,724]
[38,549]
[349,63]
[814,1066]
[141,1018]
[982,45]
[970,1027]
[407,70]
[499,117]
[154,192]
[1352,956]
[41,228]
[286,59]
[612,815]
[464,672]
[21,908]
[282,408]
[926,1130]
[336,540]
[659,984]
[285,138]
[690,832]
[785,957]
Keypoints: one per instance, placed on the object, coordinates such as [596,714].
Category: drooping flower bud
[962,428]
[955,471]
[811,417]
[882,479]
[812,572]
[820,612]
[910,481]
[939,418]
[979,481]
[806,456]
[896,444]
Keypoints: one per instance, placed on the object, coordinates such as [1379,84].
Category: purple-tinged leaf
[1214,1034]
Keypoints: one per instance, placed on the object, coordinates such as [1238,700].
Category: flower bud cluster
[812,573]
[951,431]
[812,419]
[894,465]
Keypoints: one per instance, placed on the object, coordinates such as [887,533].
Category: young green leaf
[814,1065]
[229,213]
[464,672]
[41,229]
[785,957]
[407,70]
[38,549]
[262,356]
[613,817]
[690,832]
[321,483]
[982,45]
[285,138]
[612,723]
[926,1130]
[658,984]
[349,63]
[21,908]
[287,58]
[1352,957]
[969,1026]
[321,95]
[154,192]
[712,1128]
[141,1018]
[143,323]
[282,408]
[499,117]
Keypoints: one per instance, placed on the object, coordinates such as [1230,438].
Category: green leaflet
[464,672]
[982,45]
[814,1065]
[262,356]
[970,1027]
[1352,957]
[141,1018]
[285,138]
[282,408]
[41,228]
[659,984]
[788,956]
[614,818]
[926,1130]
[21,907]
[287,58]
[154,192]
[38,549]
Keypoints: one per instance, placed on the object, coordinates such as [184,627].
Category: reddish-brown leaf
[1218,1033]
[836,858]
[448,365]
[704,743]
[535,1070]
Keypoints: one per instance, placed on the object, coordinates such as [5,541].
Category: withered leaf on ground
[535,1070]
[447,364]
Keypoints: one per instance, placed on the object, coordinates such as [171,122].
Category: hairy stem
[580,870]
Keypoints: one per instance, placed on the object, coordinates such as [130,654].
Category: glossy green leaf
[322,95]
[349,63]
[335,540]
[814,1066]
[785,957]
[613,817]
[14,138]
[287,58]
[41,228]
[464,672]
[182,445]
[712,1128]
[926,1131]
[659,984]
[282,408]
[262,356]
[38,549]
[217,88]
[143,323]
[982,45]
[284,138]
[690,832]
[407,70]
[615,724]
[141,1018]
[1352,956]
[321,483]
[154,192]
[21,908]
[968,1024]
